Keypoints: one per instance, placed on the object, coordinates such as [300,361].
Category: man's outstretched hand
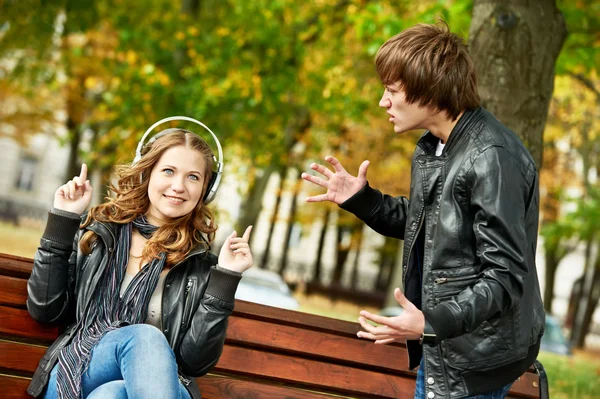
[407,326]
[340,184]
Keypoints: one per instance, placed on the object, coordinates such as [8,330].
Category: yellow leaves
[115,82]
[180,36]
[91,82]
[193,31]
[163,79]
[222,31]
[131,57]
[256,83]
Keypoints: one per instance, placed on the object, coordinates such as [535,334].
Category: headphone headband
[138,151]
[214,184]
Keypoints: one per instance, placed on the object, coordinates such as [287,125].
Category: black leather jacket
[470,233]
[198,297]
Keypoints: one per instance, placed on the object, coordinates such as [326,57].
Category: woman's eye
[194,177]
[168,171]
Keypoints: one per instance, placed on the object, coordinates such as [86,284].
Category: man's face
[403,115]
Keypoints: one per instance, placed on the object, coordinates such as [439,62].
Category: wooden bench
[269,353]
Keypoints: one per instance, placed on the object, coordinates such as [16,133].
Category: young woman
[146,304]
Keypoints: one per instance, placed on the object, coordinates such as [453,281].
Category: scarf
[106,310]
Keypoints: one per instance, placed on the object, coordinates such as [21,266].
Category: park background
[284,83]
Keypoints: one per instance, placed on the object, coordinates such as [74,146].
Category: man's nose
[385,100]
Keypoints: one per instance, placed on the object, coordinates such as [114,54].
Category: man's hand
[340,184]
[407,326]
[235,253]
[75,195]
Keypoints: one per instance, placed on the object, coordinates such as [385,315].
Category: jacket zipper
[412,244]
[444,280]
[192,253]
[184,380]
[187,306]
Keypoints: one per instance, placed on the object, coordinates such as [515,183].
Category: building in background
[29,176]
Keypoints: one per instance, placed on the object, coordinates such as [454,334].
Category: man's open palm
[340,184]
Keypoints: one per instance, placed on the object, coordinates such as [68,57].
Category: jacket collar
[106,231]
[428,141]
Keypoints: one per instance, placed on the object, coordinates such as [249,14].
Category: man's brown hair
[432,66]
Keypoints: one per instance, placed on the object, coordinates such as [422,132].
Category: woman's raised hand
[340,184]
[75,195]
[235,253]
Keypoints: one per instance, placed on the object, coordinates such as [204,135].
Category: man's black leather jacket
[470,233]
[198,297]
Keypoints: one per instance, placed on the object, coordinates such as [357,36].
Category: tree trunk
[585,305]
[592,302]
[514,45]
[290,226]
[388,256]
[341,254]
[316,279]
[357,240]
[552,260]
[579,297]
[253,204]
[266,254]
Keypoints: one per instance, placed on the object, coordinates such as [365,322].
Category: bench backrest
[269,353]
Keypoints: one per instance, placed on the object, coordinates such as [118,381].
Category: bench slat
[218,387]
[19,358]
[13,292]
[18,325]
[312,374]
[15,266]
[318,345]
[14,387]
[294,318]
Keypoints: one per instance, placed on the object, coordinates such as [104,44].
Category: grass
[575,377]
[20,240]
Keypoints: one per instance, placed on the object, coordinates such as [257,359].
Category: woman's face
[176,184]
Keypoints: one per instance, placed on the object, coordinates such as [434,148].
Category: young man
[473,315]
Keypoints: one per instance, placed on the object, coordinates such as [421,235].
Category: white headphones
[213,184]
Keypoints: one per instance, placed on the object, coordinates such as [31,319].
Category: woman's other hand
[76,195]
[235,253]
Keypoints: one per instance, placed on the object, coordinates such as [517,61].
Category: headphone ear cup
[211,189]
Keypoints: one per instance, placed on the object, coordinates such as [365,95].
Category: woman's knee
[146,333]
[147,338]
[112,389]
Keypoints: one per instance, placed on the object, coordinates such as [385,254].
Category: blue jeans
[130,362]
[499,393]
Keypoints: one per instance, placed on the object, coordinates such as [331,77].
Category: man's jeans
[130,362]
[499,393]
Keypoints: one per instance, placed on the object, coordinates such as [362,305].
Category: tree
[515,45]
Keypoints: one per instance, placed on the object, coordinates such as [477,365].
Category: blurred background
[283,83]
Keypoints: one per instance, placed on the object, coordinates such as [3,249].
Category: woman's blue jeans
[130,362]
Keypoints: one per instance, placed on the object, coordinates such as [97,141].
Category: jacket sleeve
[500,198]
[203,341]
[383,213]
[50,288]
